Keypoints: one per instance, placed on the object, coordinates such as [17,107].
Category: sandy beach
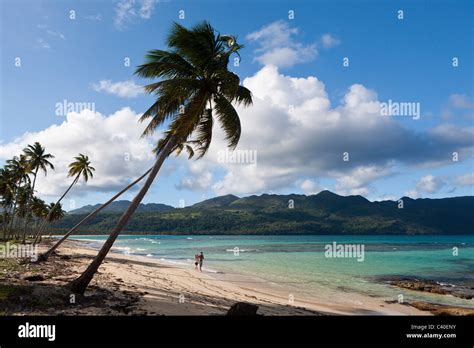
[138,285]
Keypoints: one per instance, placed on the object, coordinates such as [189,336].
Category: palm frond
[229,119]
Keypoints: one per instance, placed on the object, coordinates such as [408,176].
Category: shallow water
[298,265]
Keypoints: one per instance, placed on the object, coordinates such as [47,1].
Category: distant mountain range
[324,213]
[120,206]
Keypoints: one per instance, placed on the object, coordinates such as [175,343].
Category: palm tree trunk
[7,223]
[45,221]
[27,221]
[4,222]
[14,206]
[17,228]
[44,256]
[80,284]
[12,218]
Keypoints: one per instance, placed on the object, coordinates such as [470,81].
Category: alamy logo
[65,107]
[237,156]
[335,250]
[9,250]
[37,331]
[393,108]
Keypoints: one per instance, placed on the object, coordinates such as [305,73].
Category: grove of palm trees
[301,164]
[194,89]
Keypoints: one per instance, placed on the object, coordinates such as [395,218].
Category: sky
[369,97]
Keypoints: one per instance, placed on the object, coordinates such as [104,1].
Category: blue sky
[287,61]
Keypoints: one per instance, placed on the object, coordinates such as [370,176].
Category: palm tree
[23,197]
[7,190]
[19,169]
[54,212]
[39,208]
[57,212]
[81,166]
[38,159]
[195,85]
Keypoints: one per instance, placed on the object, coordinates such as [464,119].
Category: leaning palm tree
[81,166]
[38,159]
[195,85]
[44,256]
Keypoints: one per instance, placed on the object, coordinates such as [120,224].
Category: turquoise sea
[298,265]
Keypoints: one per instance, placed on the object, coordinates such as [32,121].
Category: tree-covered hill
[324,213]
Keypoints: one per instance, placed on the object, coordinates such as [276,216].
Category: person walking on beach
[201,260]
[196,262]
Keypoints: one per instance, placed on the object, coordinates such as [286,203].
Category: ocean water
[298,265]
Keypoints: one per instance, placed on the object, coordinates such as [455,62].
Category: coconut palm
[39,208]
[19,169]
[22,199]
[194,86]
[38,159]
[80,167]
[7,191]
[54,212]
[57,212]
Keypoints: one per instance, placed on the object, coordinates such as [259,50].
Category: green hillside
[324,213]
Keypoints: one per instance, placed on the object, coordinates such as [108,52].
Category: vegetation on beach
[19,204]
[194,89]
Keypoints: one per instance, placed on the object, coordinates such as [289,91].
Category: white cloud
[412,194]
[129,11]
[56,34]
[385,198]
[112,143]
[146,8]
[41,43]
[328,41]
[198,178]
[465,180]
[310,187]
[278,46]
[298,134]
[96,17]
[127,89]
[428,184]
[460,101]
[357,181]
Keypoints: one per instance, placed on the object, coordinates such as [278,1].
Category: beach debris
[243,308]
[34,278]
